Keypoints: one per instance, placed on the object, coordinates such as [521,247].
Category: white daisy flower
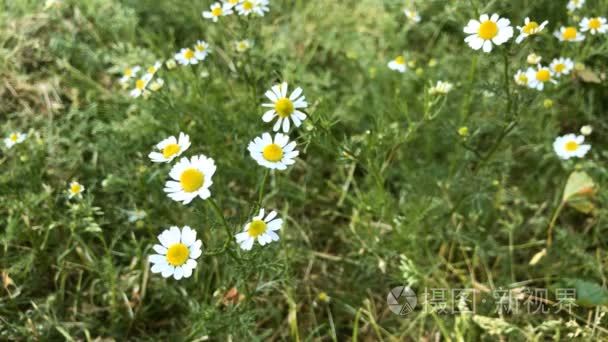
[245,7]
[570,145]
[539,76]
[260,228]
[140,86]
[75,189]
[533,59]
[170,148]
[441,88]
[594,25]
[285,108]
[217,10]
[176,253]
[243,45]
[260,7]
[201,50]
[14,138]
[487,31]
[129,73]
[569,34]
[157,84]
[398,64]
[186,56]
[530,28]
[521,78]
[277,154]
[231,3]
[561,66]
[412,14]
[154,68]
[575,4]
[191,178]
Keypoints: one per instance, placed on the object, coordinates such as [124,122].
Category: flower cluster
[242,8]
[144,82]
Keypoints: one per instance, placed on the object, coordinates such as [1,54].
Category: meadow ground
[472,192]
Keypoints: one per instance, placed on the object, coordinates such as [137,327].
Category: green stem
[219,213]
[553,221]
[262,186]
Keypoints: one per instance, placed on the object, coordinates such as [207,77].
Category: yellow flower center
[188,54]
[13,137]
[559,68]
[569,33]
[233,2]
[200,48]
[177,254]
[284,107]
[170,150]
[247,5]
[571,146]
[75,188]
[256,228]
[217,11]
[530,28]
[595,23]
[191,180]
[543,75]
[140,84]
[128,72]
[523,78]
[488,30]
[151,70]
[400,60]
[273,153]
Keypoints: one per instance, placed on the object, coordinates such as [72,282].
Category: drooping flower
[570,145]
[191,179]
[273,154]
[75,189]
[488,31]
[398,64]
[569,34]
[530,28]
[14,138]
[285,108]
[561,66]
[170,148]
[217,10]
[539,76]
[261,228]
[177,253]
[594,25]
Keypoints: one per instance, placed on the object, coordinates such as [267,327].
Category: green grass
[385,191]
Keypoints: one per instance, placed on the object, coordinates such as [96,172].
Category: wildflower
[575,4]
[323,297]
[521,78]
[140,86]
[530,28]
[217,10]
[14,138]
[129,73]
[533,59]
[488,31]
[548,103]
[412,15]
[157,84]
[561,66]
[568,34]
[594,25]
[242,45]
[176,253]
[441,88]
[75,189]
[245,7]
[191,178]
[277,154]
[285,108]
[586,130]
[260,228]
[398,64]
[201,50]
[154,68]
[170,64]
[463,131]
[539,76]
[231,3]
[186,56]
[259,6]
[170,148]
[570,145]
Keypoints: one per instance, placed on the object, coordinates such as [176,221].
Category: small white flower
[568,34]
[488,31]
[191,179]
[157,84]
[441,88]
[533,59]
[575,4]
[586,130]
[284,108]
[154,68]
[75,189]
[140,86]
[594,25]
[176,253]
[201,49]
[186,56]
[561,66]
[14,138]
[261,228]
[570,145]
[170,63]
[260,7]
[539,76]
[245,7]
[530,28]
[412,14]
[398,64]
[243,45]
[521,78]
[231,3]
[129,73]
[277,154]
[170,148]
[217,10]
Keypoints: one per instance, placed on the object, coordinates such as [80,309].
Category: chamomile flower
[488,31]
[75,189]
[533,59]
[521,78]
[201,50]
[441,88]
[561,66]
[574,5]
[569,34]
[261,228]
[231,3]
[170,148]
[153,69]
[260,7]
[284,108]
[243,45]
[277,154]
[594,25]
[177,253]
[530,28]
[14,138]
[186,56]
[398,64]
[570,145]
[140,86]
[586,130]
[245,7]
[129,73]
[191,178]
[217,10]
[539,76]
[412,14]
[157,84]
